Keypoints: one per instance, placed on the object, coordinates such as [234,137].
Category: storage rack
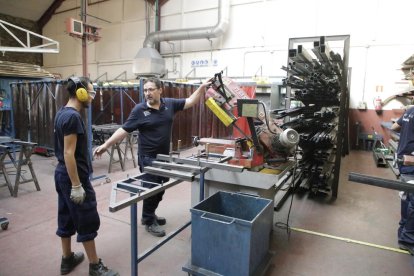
[319,80]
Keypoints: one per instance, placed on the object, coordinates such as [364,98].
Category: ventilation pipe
[149,62]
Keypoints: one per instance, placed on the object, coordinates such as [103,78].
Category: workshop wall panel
[111,36]
[191,5]
[130,38]
[108,10]
[133,10]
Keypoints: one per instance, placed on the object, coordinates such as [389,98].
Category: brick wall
[7,40]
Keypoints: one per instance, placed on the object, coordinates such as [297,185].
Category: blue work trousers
[150,204]
[406,229]
[76,218]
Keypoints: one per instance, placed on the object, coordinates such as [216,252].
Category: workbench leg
[116,147]
[134,240]
[4,171]
[121,160]
[132,151]
[129,147]
[30,165]
[26,152]
[202,186]
[111,158]
[18,173]
[6,177]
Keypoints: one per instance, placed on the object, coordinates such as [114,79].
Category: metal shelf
[319,79]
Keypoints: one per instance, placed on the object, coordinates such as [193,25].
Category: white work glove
[402,195]
[77,194]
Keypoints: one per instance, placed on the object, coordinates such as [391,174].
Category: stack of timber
[17,69]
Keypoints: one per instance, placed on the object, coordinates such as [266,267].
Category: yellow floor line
[350,240]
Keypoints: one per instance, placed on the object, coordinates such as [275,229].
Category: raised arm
[195,97]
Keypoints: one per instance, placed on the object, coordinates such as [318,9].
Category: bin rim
[236,220]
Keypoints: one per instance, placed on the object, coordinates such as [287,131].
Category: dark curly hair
[72,86]
[156,81]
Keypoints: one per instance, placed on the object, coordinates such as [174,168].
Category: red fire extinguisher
[378,104]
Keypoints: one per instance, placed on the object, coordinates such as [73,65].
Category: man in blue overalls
[77,206]
[153,119]
[405,125]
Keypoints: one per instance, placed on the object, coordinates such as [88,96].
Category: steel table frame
[138,193]
[8,144]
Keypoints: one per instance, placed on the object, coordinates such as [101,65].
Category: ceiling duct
[149,62]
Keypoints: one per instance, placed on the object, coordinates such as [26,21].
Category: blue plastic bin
[230,233]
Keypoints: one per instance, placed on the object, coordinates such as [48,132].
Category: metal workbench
[8,147]
[178,170]
[102,132]
[258,183]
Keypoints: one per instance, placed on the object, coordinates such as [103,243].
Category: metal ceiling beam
[50,45]
[49,13]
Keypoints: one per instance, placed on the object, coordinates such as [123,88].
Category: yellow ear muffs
[82,94]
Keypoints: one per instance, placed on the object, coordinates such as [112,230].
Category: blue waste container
[230,233]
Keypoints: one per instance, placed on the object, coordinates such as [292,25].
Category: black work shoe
[155,230]
[69,263]
[406,247]
[100,269]
[160,220]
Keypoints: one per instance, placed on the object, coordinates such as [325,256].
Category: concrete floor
[362,213]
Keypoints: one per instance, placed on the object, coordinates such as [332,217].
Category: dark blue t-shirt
[406,143]
[154,125]
[69,121]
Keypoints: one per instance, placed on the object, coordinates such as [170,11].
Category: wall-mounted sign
[204,63]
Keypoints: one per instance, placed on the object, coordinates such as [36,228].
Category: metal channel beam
[304,68]
[170,173]
[317,53]
[116,206]
[176,166]
[381,182]
[304,55]
[324,51]
[131,188]
[202,163]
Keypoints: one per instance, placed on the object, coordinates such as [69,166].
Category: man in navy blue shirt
[153,119]
[77,207]
[405,125]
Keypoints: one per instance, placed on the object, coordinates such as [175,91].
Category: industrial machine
[264,143]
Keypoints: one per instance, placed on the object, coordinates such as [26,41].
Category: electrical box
[74,27]
[362,105]
[248,107]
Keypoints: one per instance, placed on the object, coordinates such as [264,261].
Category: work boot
[406,247]
[100,269]
[69,263]
[160,220]
[155,229]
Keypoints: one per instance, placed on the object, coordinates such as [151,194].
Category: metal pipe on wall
[193,33]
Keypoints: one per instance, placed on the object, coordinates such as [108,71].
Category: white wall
[256,41]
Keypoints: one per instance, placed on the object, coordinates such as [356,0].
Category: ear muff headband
[81,92]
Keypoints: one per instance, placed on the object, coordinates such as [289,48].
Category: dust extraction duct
[149,62]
